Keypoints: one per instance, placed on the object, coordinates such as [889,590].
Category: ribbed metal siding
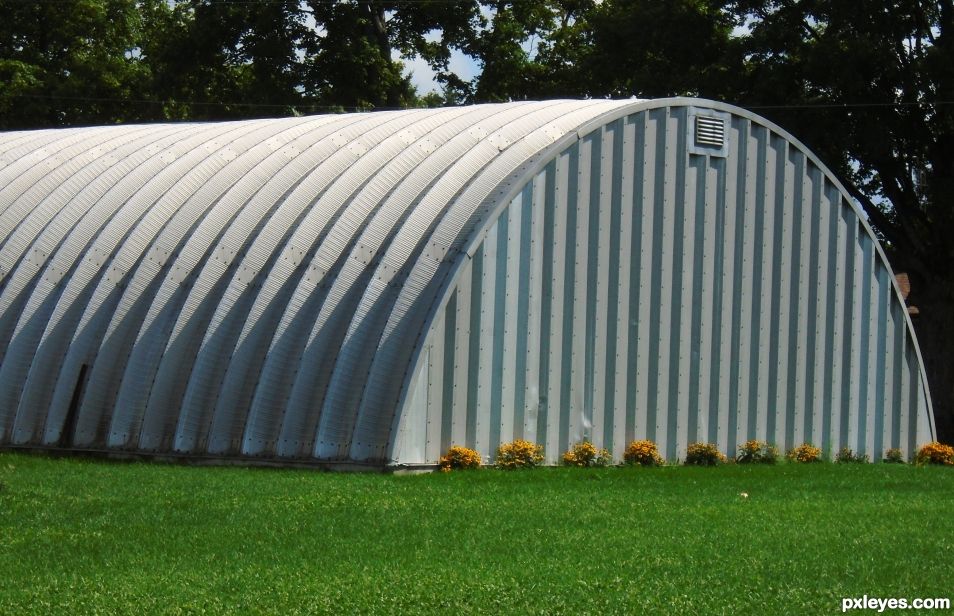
[676,297]
[377,287]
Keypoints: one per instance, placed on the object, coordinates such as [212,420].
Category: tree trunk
[935,330]
[378,33]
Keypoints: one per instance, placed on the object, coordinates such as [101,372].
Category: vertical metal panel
[450,344]
[560,288]
[538,301]
[576,325]
[780,296]
[435,390]
[764,260]
[508,352]
[849,365]
[661,247]
[550,223]
[602,279]
[883,294]
[523,289]
[485,411]
[626,255]
[475,333]
[610,414]
[413,431]
[499,311]
[740,289]
[837,248]
[750,289]
[647,260]
[460,427]
[708,225]
[801,304]
[868,343]
[681,378]
[750,267]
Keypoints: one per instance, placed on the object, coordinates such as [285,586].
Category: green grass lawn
[85,536]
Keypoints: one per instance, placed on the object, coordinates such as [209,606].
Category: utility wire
[92,99]
[306,105]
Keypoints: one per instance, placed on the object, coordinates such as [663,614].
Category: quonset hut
[368,289]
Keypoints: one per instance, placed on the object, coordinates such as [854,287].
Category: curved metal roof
[257,288]
[185,273]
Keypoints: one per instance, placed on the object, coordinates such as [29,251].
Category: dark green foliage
[894,456]
[704,454]
[70,62]
[869,85]
[757,452]
[846,455]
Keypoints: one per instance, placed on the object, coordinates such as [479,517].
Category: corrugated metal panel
[372,425]
[378,287]
[757,261]
[427,166]
[107,219]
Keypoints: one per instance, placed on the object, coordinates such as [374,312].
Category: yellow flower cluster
[935,453]
[805,453]
[643,453]
[458,457]
[704,454]
[519,454]
[757,452]
[586,454]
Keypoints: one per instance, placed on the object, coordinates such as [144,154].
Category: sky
[423,77]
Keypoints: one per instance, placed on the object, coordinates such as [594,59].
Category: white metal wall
[632,289]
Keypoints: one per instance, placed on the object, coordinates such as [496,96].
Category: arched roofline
[547,155]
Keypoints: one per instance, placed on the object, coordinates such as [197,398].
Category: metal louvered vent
[710,131]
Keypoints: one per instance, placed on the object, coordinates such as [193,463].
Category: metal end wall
[372,288]
[639,286]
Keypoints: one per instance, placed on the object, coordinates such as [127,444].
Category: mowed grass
[86,536]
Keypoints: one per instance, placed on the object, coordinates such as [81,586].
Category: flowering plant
[458,457]
[894,456]
[704,454]
[847,455]
[757,452]
[935,453]
[586,454]
[643,453]
[519,454]
[805,453]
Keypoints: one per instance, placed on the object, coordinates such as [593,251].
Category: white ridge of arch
[512,143]
[60,205]
[151,256]
[200,377]
[67,164]
[65,256]
[325,253]
[424,163]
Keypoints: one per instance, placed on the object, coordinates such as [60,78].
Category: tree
[68,63]
[223,59]
[653,49]
[869,85]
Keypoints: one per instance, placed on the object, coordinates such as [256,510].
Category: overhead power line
[302,104]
